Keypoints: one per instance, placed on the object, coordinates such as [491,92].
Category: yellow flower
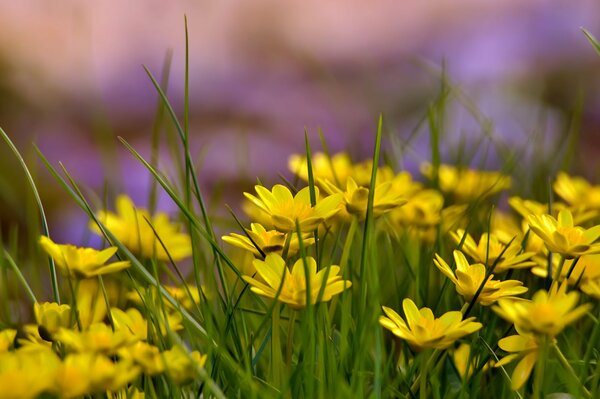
[285,209]
[267,240]
[293,290]
[489,249]
[420,215]
[133,322]
[467,279]
[592,288]
[25,374]
[562,237]
[30,337]
[468,184]
[526,207]
[7,337]
[356,197]
[98,338]
[547,313]
[91,304]
[523,346]
[89,373]
[577,191]
[82,262]
[52,316]
[138,231]
[182,366]
[126,393]
[465,362]
[422,331]
[187,298]
[146,356]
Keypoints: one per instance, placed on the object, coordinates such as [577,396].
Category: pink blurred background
[71,79]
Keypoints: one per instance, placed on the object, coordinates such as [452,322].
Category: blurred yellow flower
[140,232]
[465,361]
[89,373]
[422,331]
[25,374]
[467,185]
[133,322]
[293,291]
[98,338]
[592,288]
[547,313]
[420,216]
[82,262]
[267,240]
[356,197]
[467,279]
[52,316]
[285,209]
[126,393]
[91,303]
[489,248]
[146,356]
[182,366]
[7,338]
[577,191]
[562,237]
[522,346]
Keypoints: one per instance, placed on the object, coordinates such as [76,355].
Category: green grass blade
[45,229]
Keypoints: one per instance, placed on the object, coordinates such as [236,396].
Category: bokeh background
[263,71]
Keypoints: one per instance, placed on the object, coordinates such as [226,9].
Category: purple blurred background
[71,79]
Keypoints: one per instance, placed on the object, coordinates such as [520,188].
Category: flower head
[490,250]
[99,338]
[286,209]
[52,316]
[422,331]
[293,288]
[467,279]
[144,234]
[356,197]
[267,240]
[562,237]
[465,361]
[523,346]
[27,373]
[577,191]
[82,262]
[468,184]
[547,313]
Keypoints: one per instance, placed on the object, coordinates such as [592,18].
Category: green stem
[290,338]
[591,346]
[561,264]
[565,363]
[424,372]
[538,381]
[276,360]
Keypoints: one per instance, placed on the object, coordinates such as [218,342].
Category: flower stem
[561,264]
[290,338]
[565,363]
[538,380]
[276,361]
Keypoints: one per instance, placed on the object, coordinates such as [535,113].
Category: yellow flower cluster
[71,362]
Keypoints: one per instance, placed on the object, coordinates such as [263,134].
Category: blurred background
[261,72]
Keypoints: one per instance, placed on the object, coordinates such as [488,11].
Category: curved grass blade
[45,230]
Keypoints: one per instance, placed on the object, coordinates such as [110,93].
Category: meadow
[355,278]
